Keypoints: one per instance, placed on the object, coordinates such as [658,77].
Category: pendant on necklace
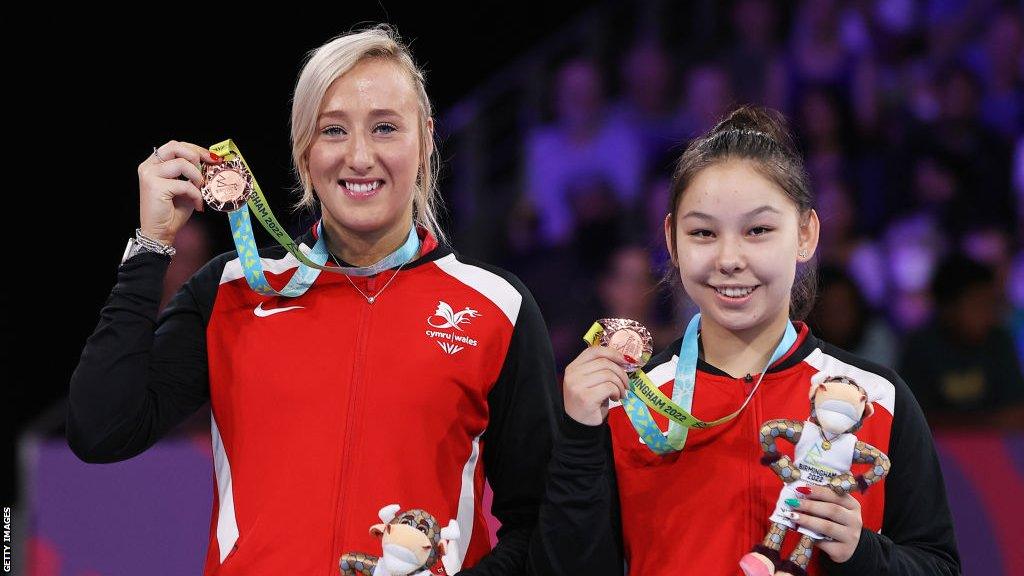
[371,299]
[826,444]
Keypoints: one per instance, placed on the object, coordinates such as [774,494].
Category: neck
[744,352]
[363,249]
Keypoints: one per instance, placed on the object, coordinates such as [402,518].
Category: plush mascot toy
[412,542]
[825,449]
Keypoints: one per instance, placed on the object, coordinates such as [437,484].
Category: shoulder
[497,285]
[884,385]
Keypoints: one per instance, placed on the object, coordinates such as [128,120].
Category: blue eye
[385,128]
[333,131]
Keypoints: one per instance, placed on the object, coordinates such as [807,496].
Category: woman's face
[365,157]
[738,239]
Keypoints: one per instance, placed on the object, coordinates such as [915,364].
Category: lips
[360,188]
[734,292]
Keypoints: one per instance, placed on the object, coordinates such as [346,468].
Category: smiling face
[738,238]
[365,158]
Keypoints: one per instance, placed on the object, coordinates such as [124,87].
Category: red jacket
[327,408]
[702,509]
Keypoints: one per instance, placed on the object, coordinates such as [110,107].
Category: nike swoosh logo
[261,313]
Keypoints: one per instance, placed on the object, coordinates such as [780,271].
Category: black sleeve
[517,442]
[917,527]
[140,376]
[580,530]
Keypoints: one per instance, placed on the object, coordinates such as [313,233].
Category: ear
[377,530]
[810,227]
[669,223]
[388,513]
[430,137]
[869,409]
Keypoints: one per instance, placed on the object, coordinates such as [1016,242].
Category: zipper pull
[748,378]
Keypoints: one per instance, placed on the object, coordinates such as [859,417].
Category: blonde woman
[409,386]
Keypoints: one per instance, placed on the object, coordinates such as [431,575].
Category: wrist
[158,237]
[142,243]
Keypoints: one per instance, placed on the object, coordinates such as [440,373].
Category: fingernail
[215,157]
[793,502]
[805,490]
[792,516]
[629,359]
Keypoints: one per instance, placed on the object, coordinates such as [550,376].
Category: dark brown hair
[760,135]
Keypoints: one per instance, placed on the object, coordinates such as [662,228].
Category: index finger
[191,152]
[605,352]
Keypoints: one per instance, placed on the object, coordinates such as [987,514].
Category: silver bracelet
[152,245]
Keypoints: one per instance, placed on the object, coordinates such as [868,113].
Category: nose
[730,256]
[361,155]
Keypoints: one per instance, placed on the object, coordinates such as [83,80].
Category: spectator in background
[843,316]
[921,237]
[979,156]
[628,288]
[755,64]
[1018,184]
[824,128]
[646,73]
[841,246]
[708,97]
[1015,292]
[656,198]
[1000,66]
[825,43]
[583,142]
[563,277]
[963,364]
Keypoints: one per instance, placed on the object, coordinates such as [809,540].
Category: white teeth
[362,188]
[734,292]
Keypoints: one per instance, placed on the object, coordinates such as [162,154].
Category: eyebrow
[751,214]
[375,113]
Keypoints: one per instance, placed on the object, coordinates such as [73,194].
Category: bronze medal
[630,338]
[228,185]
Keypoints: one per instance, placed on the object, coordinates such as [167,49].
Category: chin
[360,219]
[735,322]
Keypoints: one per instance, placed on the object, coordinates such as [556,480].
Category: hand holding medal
[170,180]
[599,374]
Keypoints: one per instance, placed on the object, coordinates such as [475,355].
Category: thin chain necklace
[369,299]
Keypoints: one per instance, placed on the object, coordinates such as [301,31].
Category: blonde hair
[329,62]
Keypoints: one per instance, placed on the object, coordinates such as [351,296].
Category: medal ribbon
[644,396]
